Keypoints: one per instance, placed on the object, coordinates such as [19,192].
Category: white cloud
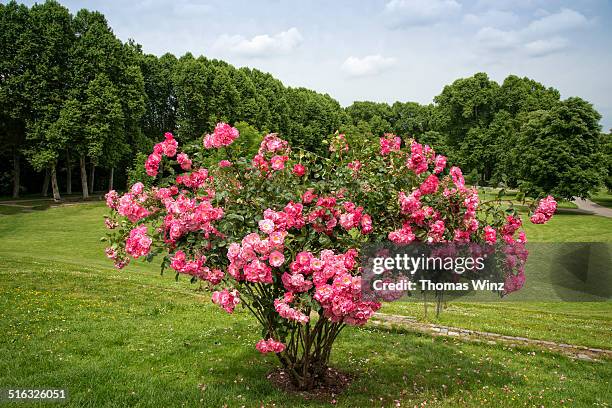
[538,38]
[261,45]
[493,39]
[564,20]
[492,18]
[540,48]
[191,10]
[509,4]
[419,12]
[367,66]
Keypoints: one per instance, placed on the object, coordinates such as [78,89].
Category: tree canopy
[70,89]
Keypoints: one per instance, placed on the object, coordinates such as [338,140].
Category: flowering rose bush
[279,233]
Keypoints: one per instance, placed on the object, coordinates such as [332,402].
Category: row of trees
[71,92]
[519,133]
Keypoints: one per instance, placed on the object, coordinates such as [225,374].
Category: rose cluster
[138,243]
[328,213]
[270,346]
[389,143]
[166,148]
[273,154]
[226,299]
[546,209]
[224,135]
[185,214]
[131,205]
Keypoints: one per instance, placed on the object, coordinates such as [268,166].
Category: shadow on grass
[27,206]
[386,365]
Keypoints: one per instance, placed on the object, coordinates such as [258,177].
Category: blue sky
[385,50]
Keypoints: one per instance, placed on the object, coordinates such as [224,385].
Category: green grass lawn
[603,197]
[490,193]
[118,338]
[583,323]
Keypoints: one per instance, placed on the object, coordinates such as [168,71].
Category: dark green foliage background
[69,88]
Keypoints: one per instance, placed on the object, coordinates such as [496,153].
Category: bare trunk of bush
[308,346]
[306,357]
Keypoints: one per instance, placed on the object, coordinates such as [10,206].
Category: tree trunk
[91,178]
[54,186]
[84,178]
[45,188]
[16,174]
[110,180]
[68,173]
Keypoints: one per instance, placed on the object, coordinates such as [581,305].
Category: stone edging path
[574,351]
[588,205]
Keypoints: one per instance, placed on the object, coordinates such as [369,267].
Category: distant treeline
[75,99]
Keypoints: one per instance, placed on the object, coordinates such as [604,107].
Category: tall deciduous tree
[15,101]
[51,36]
[558,151]
[104,123]
[161,101]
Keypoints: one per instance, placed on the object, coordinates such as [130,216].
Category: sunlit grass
[132,337]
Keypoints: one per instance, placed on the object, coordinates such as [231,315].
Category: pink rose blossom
[546,209]
[276,259]
[266,226]
[226,299]
[224,135]
[389,143]
[152,164]
[138,243]
[184,161]
[270,346]
[299,170]
[355,166]
[440,164]
[308,196]
[457,177]
[169,145]
[490,234]
[112,199]
[430,185]
[278,162]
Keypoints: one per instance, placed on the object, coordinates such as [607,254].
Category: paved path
[410,323]
[588,205]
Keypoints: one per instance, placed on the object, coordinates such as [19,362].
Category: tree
[558,151]
[607,151]
[518,95]
[104,123]
[131,88]
[15,101]
[161,101]
[191,84]
[379,116]
[413,119]
[465,104]
[51,37]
